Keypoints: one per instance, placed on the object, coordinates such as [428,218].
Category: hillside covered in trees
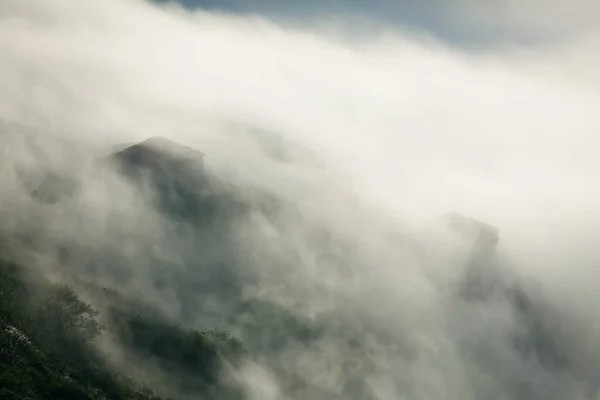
[48,340]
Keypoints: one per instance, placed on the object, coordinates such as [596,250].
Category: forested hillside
[48,346]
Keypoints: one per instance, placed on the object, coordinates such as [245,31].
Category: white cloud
[416,127]
[420,128]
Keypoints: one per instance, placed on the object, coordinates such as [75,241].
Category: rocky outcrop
[174,173]
[480,233]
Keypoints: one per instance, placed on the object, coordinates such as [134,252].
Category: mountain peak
[167,145]
[470,227]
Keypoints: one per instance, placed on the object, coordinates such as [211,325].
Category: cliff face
[486,280]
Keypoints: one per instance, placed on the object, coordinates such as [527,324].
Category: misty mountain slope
[332,141]
[44,166]
[54,346]
[47,351]
[326,315]
[84,259]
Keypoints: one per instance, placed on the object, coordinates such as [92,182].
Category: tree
[62,313]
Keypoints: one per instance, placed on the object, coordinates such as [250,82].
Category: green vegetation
[48,347]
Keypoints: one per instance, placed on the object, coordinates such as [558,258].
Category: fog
[384,131]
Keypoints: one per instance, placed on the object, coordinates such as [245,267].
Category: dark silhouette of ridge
[173,171]
[485,279]
[161,152]
[481,233]
[171,147]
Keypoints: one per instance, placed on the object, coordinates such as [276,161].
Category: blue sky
[427,16]
[478,23]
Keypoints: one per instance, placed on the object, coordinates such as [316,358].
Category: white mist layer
[406,128]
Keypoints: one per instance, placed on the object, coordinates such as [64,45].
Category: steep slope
[306,297]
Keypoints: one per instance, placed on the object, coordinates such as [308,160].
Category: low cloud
[384,133]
